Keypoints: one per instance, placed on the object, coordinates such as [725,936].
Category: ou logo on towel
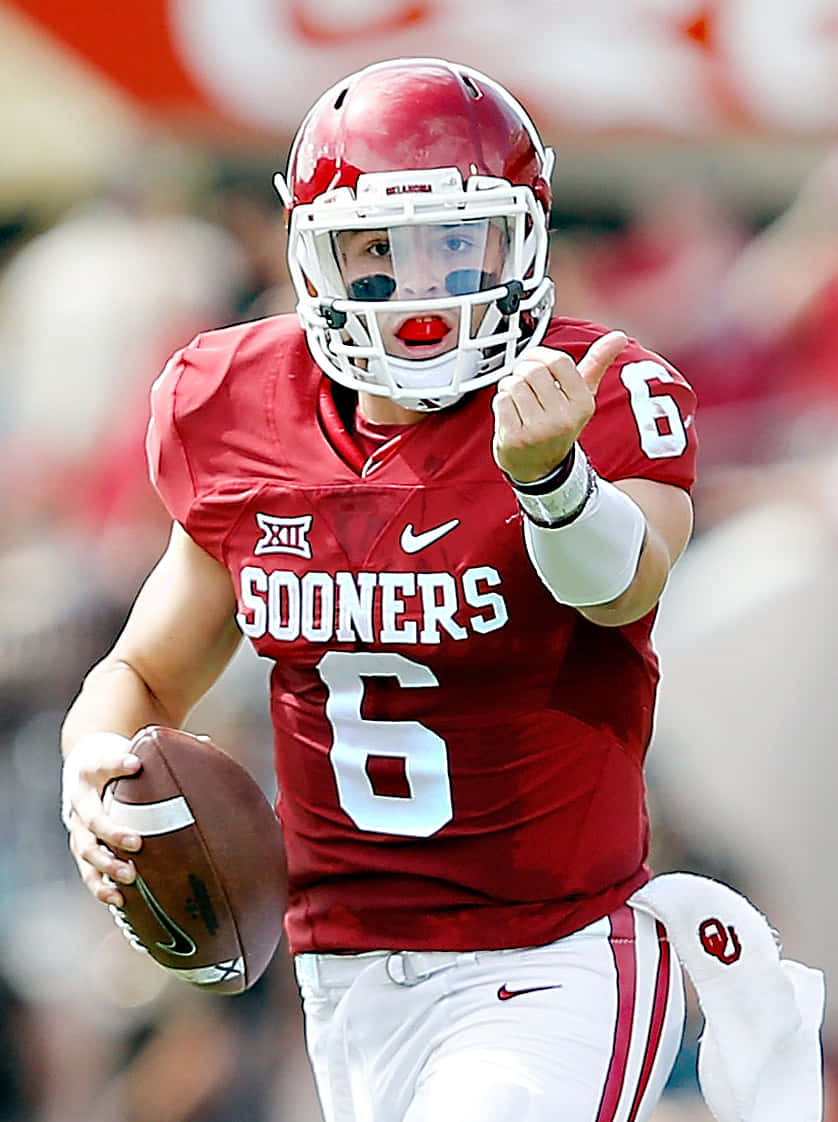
[719,941]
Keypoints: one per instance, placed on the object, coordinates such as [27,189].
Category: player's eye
[378,248]
[456,243]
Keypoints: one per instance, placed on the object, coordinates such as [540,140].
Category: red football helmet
[419,199]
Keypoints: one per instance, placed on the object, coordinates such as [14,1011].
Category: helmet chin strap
[407,379]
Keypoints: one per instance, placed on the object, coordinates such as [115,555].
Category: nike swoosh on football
[504,994]
[179,942]
[413,543]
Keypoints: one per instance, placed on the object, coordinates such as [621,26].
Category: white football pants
[585,1029]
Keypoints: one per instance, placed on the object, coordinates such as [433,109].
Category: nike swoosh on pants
[504,994]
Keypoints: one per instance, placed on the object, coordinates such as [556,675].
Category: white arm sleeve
[593,559]
[583,536]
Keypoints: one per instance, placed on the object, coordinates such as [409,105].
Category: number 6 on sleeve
[657,441]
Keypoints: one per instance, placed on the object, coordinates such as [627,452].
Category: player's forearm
[642,594]
[668,513]
[114,698]
[603,548]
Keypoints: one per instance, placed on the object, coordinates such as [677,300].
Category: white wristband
[559,497]
[593,558]
[88,749]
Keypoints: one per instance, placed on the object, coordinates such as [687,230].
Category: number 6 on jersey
[356,739]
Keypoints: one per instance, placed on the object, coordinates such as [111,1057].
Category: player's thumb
[599,356]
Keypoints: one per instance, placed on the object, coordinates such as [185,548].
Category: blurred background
[696,207]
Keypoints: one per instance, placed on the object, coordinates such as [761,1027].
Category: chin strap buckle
[508,305]
[334,318]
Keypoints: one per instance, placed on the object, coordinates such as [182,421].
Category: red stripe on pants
[623,950]
[653,1038]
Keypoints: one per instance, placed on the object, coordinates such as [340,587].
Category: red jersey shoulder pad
[644,424]
[211,390]
[575,337]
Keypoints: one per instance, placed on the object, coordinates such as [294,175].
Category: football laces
[118,916]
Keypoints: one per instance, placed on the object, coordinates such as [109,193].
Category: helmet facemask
[418,287]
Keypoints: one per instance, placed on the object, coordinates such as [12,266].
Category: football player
[447,515]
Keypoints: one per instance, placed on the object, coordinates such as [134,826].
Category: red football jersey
[459,757]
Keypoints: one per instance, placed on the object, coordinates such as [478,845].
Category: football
[211,888]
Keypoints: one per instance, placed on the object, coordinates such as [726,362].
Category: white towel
[760,1053]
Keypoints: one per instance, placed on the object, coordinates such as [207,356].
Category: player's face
[423,262]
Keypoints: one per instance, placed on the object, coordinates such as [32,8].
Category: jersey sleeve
[186,400]
[168,463]
[644,425]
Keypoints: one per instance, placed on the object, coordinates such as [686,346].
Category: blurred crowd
[93,301]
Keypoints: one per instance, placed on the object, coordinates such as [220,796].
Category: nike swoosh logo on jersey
[413,543]
[504,994]
[179,942]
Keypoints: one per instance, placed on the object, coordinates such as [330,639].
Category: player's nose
[420,278]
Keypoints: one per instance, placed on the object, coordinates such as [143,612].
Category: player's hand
[89,767]
[544,404]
